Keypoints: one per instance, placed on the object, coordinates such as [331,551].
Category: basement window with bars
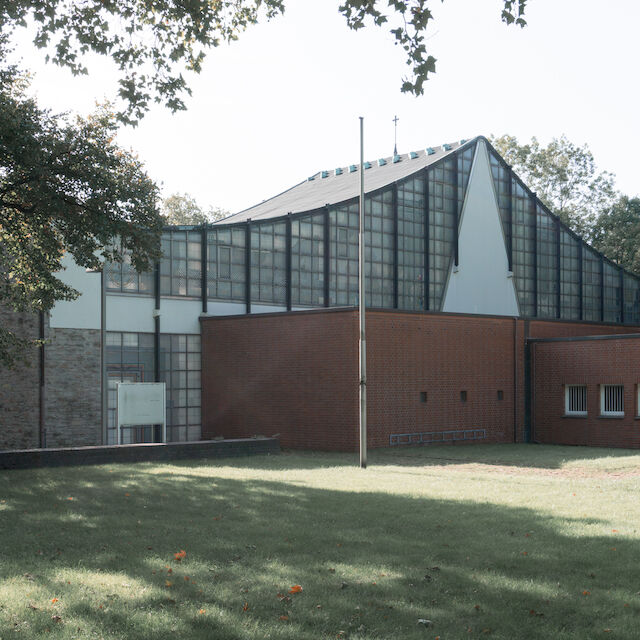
[612,400]
[575,400]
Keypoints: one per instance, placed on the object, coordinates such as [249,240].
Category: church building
[488,320]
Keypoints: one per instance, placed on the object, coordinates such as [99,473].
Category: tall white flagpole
[361,313]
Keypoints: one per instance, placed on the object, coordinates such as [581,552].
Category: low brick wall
[30,458]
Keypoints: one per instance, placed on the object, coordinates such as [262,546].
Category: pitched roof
[343,183]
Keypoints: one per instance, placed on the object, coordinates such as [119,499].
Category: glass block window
[343,234]
[501,183]
[569,276]
[465,160]
[180,369]
[122,277]
[612,293]
[181,264]
[631,299]
[524,239]
[442,217]
[612,400]
[129,358]
[547,268]
[378,243]
[590,284]
[307,261]
[575,400]
[411,249]
[269,263]
[225,263]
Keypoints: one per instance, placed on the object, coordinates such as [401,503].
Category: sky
[283,101]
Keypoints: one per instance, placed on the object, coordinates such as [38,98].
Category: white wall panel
[128,312]
[180,316]
[481,283]
[83,312]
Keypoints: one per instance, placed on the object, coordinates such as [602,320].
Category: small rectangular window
[500,394]
[463,396]
[423,396]
[611,400]
[575,400]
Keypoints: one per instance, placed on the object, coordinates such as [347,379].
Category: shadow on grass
[371,564]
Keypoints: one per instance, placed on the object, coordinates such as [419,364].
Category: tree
[564,177]
[153,43]
[64,186]
[617,233]
[183,209]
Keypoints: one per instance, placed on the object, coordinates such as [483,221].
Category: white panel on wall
[131,313]
[266,308]
[225,308]
[180,316]
[482,283]
[84,311]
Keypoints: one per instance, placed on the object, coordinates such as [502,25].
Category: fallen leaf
[295,589]
[245,607]
[283,618]
[167,583]
[70,498]
[586,593]
[127,495]
[54,600]
[180,555]
[201,611]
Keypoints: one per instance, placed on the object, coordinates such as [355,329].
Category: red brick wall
[589,362]
[442,356]
[295,374]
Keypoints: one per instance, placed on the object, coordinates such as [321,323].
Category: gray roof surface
[317,191]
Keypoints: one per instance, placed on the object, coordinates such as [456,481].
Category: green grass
[509,542]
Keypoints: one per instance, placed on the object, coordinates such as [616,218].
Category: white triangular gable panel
[482,282]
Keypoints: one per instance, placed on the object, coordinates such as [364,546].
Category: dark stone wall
[20,386]
[73,373]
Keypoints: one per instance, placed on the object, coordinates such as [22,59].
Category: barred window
[575,400]
[612,400]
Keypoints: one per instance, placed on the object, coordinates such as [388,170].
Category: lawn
[506,541]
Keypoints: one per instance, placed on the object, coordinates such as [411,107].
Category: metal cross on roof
[395,135]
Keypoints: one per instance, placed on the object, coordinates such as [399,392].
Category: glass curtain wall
[181,263]
[554,271]
[591,284]
[130,357]
[612,307]
[411,244]
[226,273]
[547,264]
[378,244]
[123,278]
[269,263]
[442,222]
[570,248]
[307,261]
